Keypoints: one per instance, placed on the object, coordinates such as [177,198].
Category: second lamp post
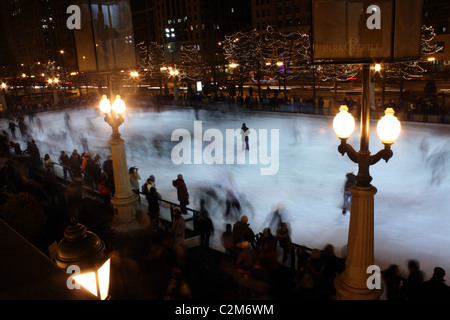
[352,284]
[125,200]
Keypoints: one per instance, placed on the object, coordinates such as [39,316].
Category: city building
[35,32]
[436,13]
[282,15]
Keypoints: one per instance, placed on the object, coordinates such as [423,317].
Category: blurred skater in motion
[245,132]
[350,181]
[232,204]
[23,128]
[182,193]
[438,164]
[67,122]
[12,128]
[275,218]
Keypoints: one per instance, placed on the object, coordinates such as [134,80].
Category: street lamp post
[352,283]
[174,74]
[134,75]
[125,200]
[53,83]
[83,252]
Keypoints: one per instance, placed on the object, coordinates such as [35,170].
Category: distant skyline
[32,30]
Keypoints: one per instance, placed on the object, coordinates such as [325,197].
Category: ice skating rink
[412,211]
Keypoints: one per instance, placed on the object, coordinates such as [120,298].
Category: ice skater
[245,132]
[350,181]
[232,203]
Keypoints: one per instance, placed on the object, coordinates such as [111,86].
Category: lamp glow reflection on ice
[388,127]
[343,123]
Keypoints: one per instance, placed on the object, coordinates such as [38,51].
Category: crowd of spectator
[251,258]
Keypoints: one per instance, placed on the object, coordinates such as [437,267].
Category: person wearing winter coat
[134,180]
[64,162]
[284,240]
[75,165]
[149,183]
[182,193]
[153,209]
[178,226]
[245,132]
[205,226]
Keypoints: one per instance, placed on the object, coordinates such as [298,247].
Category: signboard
[361,31]
[105,40]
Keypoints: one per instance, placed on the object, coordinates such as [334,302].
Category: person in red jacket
[182,193]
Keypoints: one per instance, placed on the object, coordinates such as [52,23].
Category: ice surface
[412,215]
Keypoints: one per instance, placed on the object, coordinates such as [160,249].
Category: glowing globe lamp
[343,123]
[388,127]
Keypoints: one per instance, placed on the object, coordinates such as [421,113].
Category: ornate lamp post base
[352,283]
[125,201]
[125,214]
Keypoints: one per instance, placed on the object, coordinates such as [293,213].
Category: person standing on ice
[350,181]
[245,132]
[182,193]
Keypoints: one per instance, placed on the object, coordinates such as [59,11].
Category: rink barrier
[192,215]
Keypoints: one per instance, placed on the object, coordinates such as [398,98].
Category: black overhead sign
[358,31]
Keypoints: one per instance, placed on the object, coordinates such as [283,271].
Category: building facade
[282,15]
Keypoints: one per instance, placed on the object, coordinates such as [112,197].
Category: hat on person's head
[151,178]
[439,272]
[176,211]
[180,176]
[244,219]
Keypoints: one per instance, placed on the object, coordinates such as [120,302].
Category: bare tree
[251,52]
[410,70]
[290,54]
[151,60]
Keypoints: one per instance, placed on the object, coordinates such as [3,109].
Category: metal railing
[191,216]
